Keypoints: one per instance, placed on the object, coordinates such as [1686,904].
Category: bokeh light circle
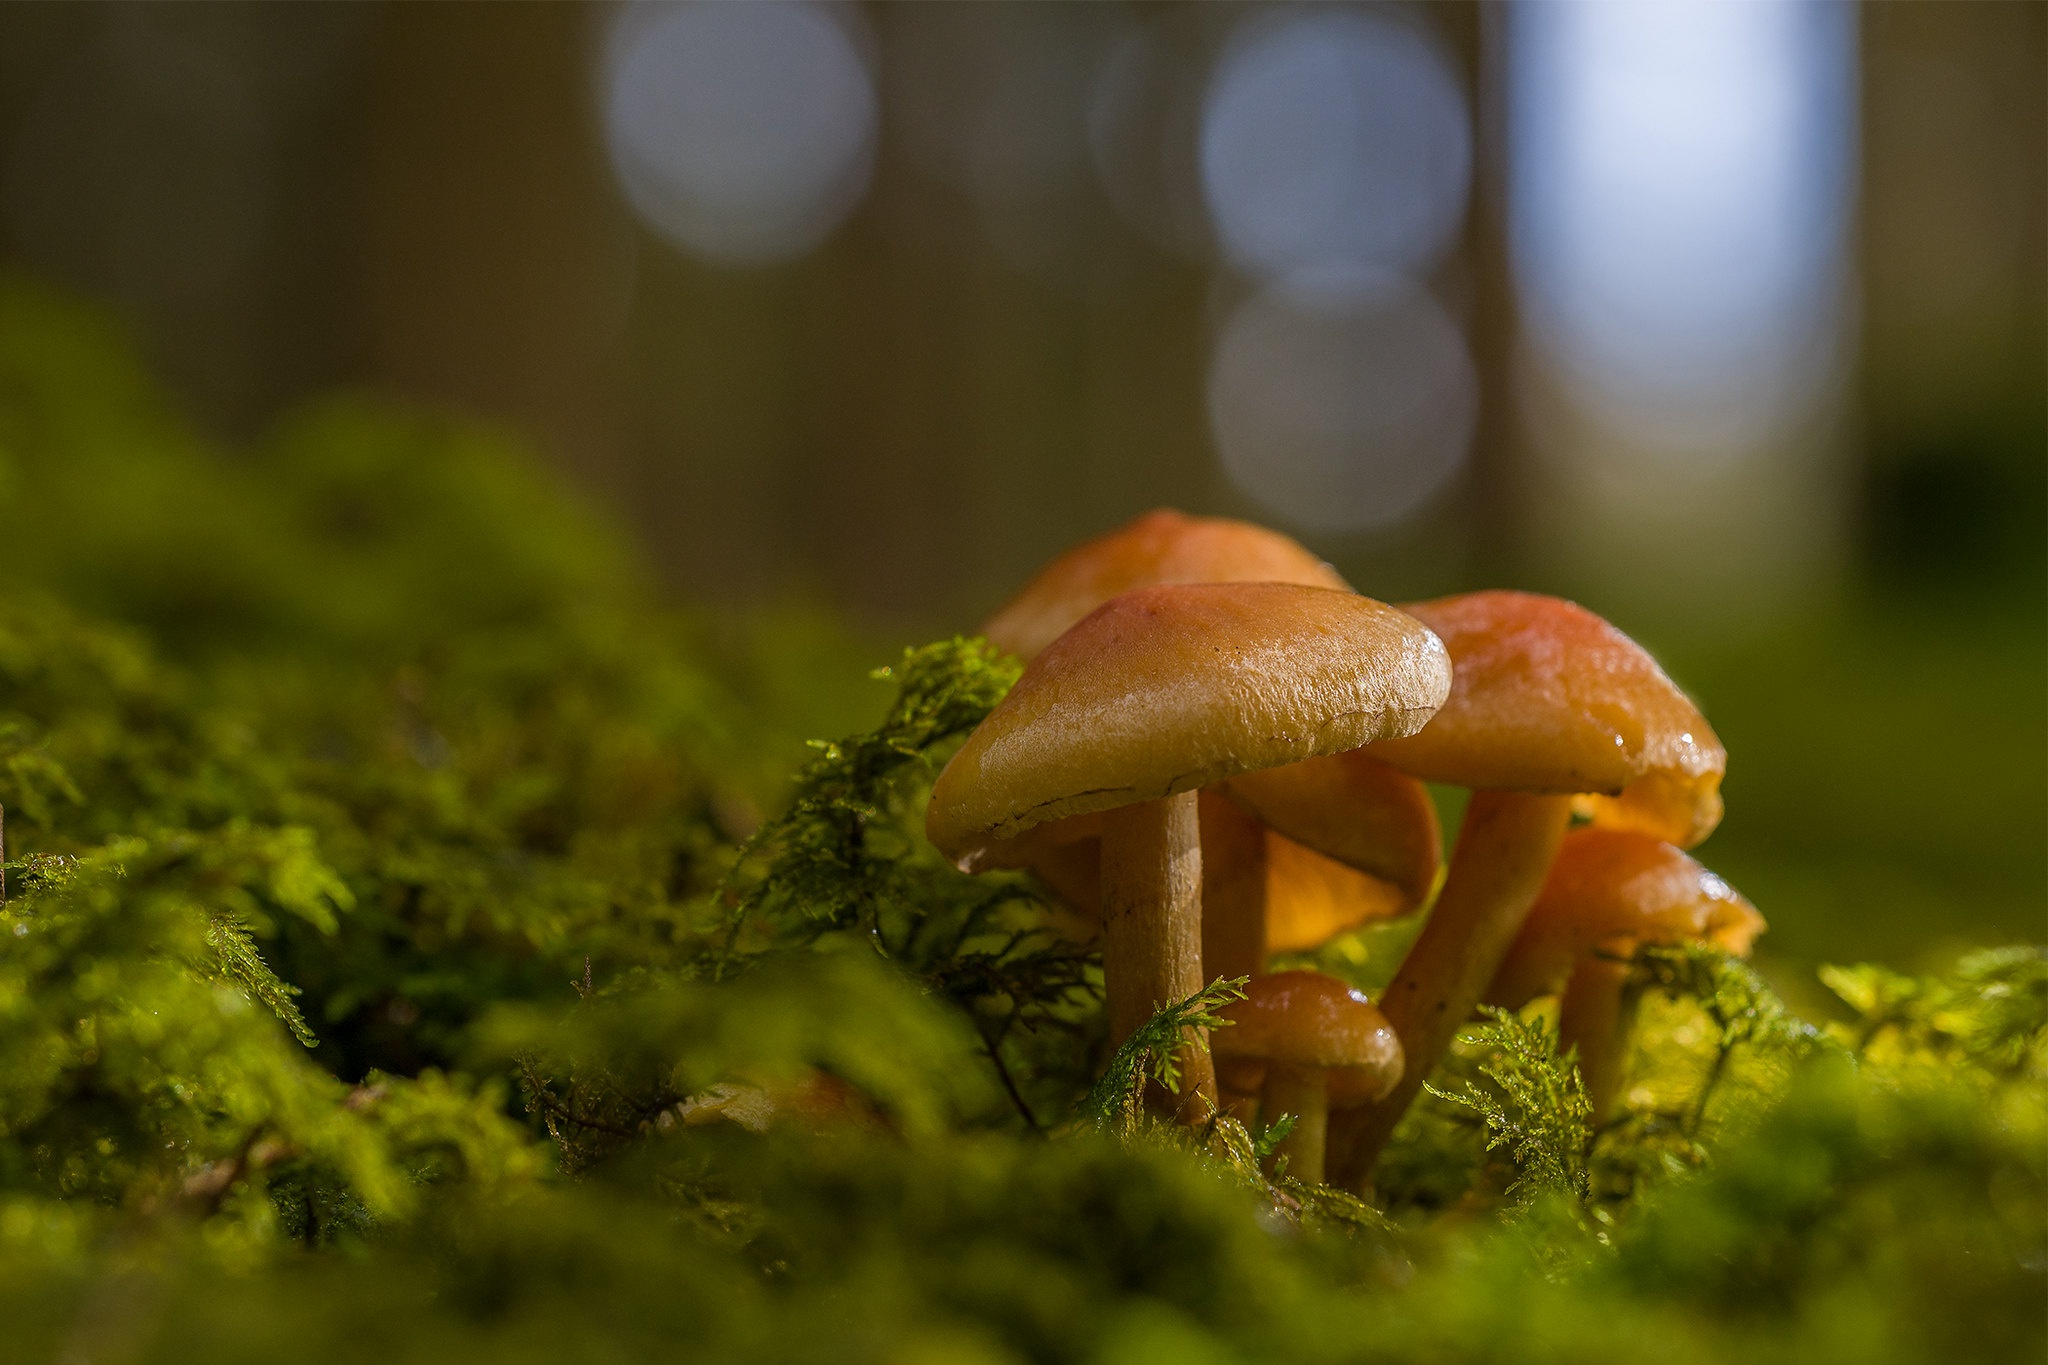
[742,133]
[1682,192]
[1342,403]
[1335,138]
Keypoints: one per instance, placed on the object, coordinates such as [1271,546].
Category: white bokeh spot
[742,133]
[1342,404]
[1335,138]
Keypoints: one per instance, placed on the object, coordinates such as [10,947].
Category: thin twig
[995,1054]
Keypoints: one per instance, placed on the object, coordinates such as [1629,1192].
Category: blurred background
[1724,319]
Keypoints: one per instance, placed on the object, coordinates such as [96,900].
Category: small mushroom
[1152,696]
[1610,892]
[1548,702]
[1162,546]
[1319,1042]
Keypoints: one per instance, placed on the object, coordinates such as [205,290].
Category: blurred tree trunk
[496,263]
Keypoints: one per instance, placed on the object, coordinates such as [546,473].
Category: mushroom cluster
[1217,751]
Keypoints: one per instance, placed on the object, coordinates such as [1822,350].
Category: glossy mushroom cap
[1357,810]
[1613,890]
[1314,1022]
[1168,689]
[1548,697]
[1159,547]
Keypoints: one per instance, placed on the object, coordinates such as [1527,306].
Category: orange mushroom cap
[1310,898]
[1612,890]
[1315,1022]
[1163,546]
[1169,689]
[1548,697]
[1364,813]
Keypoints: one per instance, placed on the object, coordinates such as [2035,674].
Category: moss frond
[1151,1056]
[1533,1107]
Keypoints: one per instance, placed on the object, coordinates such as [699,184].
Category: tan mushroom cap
[1548,697]
[1613,890]
[1169,689]
[1364,813]
[1163,546]
[1312,1021]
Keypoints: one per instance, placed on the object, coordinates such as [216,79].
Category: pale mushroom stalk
[1304,1092]
[1505,848]
[1152,923]
[1597,1016]
[1235,890]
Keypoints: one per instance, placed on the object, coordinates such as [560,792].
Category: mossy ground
[390,880]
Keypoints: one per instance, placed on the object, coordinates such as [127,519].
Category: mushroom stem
[1505,848]
[1152,927]
[1305,1093]
[1597,1015]
[1233,890]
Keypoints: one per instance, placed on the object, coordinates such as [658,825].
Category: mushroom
[1162,546]
[1320,1042]
[1610,892]
[1152,696]
[1548,703]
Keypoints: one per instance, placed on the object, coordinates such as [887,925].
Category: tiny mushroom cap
[1168,689]
[1163,546]
[1610,891]
[1313,1022]
[1548,697]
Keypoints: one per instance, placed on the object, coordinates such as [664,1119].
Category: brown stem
[1233,890]
[1152,927]
[1505,849]
[1597,1015]
[1303,1092]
